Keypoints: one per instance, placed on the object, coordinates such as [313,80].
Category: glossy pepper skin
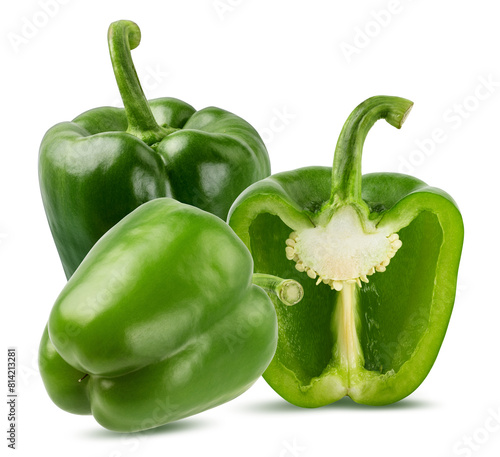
[99,167]
[378,258]
[160,321]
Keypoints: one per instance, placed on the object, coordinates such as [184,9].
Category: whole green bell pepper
[106,162]
[366,328]
[160,321]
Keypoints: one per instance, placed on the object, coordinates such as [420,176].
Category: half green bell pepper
[160,321]
[106,162]
[378,258]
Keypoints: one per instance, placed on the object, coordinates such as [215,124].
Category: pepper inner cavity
[343,251]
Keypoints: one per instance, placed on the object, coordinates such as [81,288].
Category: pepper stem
[346,174]
[289,291]
[122,37]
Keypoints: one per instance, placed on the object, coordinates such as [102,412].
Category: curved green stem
[346,173]
[122,37]
[289,291]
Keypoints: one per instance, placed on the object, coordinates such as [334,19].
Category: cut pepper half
[378,259]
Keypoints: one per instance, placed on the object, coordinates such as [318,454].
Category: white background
[294,70]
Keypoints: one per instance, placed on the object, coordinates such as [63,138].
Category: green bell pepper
[160,321]
[106,162]
[366,329]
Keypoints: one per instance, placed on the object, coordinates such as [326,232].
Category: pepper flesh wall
[378,258]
